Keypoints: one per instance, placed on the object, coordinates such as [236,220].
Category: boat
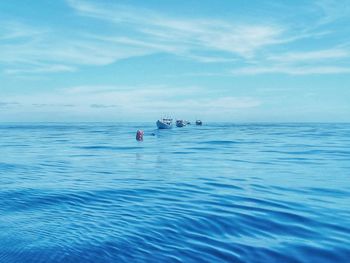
[180,123]
[199,122]
[187,123]
[165,123]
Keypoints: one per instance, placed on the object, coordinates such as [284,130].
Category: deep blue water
[89,192]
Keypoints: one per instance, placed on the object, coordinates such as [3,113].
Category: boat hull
[162,125]
[180,124]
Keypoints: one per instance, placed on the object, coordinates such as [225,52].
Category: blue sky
[224,60]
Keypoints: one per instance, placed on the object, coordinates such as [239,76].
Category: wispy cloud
[307,56]
[136,32]
[46,105]
[135,102]
[292,70]
[331,11]
[43,69]
[5,104]
[46,52]
[325,61]
[184,35]
[13,30]
[103,106]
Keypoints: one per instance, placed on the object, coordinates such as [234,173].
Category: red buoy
[139,135]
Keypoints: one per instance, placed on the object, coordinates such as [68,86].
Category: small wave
[112,148]
[220,142]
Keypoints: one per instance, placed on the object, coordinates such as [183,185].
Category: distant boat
[165,123]
[180,123]
[187,122]
[199,122]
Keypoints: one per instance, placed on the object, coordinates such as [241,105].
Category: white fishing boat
[165,123]
[180,123]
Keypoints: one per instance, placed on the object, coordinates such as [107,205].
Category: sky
[131,60]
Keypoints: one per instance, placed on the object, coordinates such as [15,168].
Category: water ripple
[218,193]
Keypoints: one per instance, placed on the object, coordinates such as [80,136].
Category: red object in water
[139,135]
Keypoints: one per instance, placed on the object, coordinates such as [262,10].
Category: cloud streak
[292,70]
[5,104]
[147,103]
[43,69]
[184,35]
[302,63]
[328,54]
[249,46]
[145,32]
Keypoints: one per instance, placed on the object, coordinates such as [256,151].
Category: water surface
[89,192]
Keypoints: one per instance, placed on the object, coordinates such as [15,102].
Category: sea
[221,192]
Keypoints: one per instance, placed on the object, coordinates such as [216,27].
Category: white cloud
[135,32]
[185,34]
[43,69]
[334,53]
[292,70]
[12,30]
[332,11]
[147,103]
[33,51]
[324,61]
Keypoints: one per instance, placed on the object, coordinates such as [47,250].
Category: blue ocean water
[89,192]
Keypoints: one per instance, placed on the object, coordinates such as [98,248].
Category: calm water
[216,193]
